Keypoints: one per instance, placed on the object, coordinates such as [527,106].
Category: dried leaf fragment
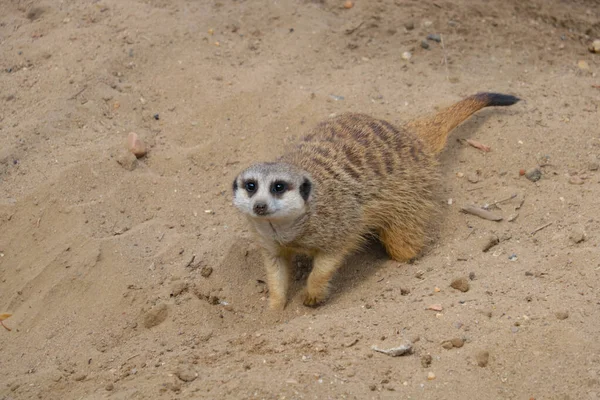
[479,145]
[2,318]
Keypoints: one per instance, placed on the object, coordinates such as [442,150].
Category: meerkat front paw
[276,303]
[313,299]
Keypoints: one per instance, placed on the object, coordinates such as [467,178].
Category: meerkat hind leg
[278,279]
[317,285]
[401,245]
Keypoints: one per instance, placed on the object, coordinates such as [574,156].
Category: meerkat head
[272,191]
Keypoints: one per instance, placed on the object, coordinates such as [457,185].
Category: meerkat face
[272,191]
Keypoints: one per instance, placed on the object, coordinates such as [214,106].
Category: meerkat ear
[305,189]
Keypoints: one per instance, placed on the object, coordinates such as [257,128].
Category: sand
[136,279]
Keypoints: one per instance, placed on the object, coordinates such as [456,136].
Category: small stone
[472,276]
[136,145]
[186,373]
[435,307]
[109,387]
[461,284]
[407,55]
[426,360]
[575,180]
[435,37]
[472,177]
[577,235]
[562,315]
[372,387]
[533,174]
[457,342]
[447,344]
[583,65]
[424,44]
[430,376]
[593,165]
[482,357]
[409,26]
[348,4]
[490,242]
[156,316]
[206,271]
[595,46]
[80,377]
[404,291]
[127,161]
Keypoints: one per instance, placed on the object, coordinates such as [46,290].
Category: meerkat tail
[434,130]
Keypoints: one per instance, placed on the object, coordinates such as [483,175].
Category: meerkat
[352,176]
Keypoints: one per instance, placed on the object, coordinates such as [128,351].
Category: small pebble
[430,376]
[435,37]
[409,26]
[575,180]
[136,145]
[80,377]
[562,315]
[577,235]
[206,271]
[426,360]
[109,387]
[404,291]
[457,342]
[472,276]
[186,373]
[490,242]
[593,165]
[424,44]
[435,307]
[472,177]
[406,55]
[127,160]
[348,4]
[482,357]
[521,172]
[447,344]
[533,174]
[595,46]
[583,65]
[461,284]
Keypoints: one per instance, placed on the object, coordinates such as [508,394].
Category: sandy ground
[106,267]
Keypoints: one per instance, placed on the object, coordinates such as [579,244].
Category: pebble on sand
[482,357]
[575,180]
[595,46]
[135,145]
[426,360]
[489,242]
[406,55]
[430,376]
[533,174]
[127,160]
[348,4]
[461,284]
[156,316]
[577,235]
[562,315]
[186,373]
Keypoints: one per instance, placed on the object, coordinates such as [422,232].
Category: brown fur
[368,177]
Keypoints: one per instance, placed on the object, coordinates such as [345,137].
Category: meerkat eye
[250,186]
[279,187]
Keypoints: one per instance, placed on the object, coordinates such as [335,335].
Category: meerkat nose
[260,208]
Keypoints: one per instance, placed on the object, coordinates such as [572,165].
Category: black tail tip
[497,99]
